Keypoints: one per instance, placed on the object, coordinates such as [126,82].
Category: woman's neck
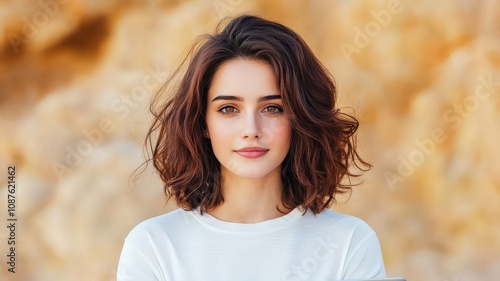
[250,200]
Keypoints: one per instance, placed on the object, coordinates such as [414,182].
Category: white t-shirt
[186,246]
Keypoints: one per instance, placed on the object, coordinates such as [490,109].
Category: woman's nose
[252,129]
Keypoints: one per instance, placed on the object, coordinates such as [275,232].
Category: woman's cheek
[222,134]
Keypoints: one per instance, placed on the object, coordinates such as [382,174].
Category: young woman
[253,150]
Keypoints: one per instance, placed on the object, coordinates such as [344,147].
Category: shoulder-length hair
[323,141]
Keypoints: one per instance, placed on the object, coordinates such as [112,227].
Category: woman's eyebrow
[235,98]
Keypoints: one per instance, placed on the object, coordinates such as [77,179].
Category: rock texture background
[423,77]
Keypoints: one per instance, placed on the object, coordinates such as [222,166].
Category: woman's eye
[227,110]
[274,109]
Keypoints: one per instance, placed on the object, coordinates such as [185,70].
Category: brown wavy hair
[323,145]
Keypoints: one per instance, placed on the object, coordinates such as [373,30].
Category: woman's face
[245,110]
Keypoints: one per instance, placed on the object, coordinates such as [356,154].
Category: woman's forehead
[248,79]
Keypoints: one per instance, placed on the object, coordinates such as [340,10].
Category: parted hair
[323,150]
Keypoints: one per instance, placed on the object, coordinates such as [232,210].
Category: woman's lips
[252,152]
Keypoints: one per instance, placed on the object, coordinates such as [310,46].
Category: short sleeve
[365,261]
[137,264]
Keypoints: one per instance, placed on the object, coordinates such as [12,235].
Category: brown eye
[272,109]
[227,109]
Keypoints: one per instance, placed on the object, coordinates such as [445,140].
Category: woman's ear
[206,134]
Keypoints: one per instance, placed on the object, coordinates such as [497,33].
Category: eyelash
[279,109]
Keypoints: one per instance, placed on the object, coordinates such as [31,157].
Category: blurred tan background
[423,77]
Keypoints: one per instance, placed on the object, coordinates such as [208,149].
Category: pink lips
[252,151]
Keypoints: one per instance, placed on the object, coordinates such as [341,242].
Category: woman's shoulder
[329,219]
[160,225]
